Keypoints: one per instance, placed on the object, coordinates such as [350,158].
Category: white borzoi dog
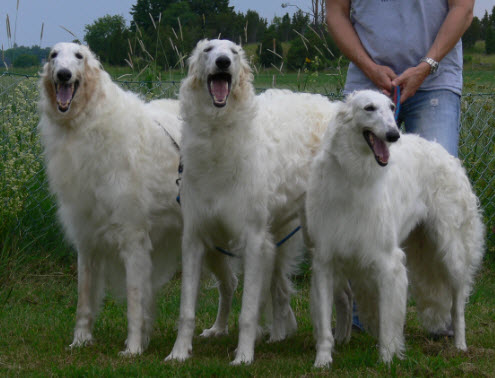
[371,205]
[246,165]
[113,168]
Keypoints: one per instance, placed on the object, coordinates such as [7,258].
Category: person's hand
[382,77]
[411,79]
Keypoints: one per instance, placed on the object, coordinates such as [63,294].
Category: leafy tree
[300,22]
[11,55]
[283,27]
[472,34]
[270,51]
[312,48]
[485,24]
[26,60]
[490,41]
[256,26]
[143,9]
[107,37]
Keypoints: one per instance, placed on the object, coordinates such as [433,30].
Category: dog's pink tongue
[220,89]
[64,94]
[381,150]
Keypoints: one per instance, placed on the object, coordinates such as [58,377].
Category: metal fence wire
[27,210]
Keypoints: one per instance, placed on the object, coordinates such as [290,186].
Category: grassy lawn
[37,316]
[38,289]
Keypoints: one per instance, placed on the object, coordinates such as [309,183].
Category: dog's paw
[323,360]
[283,329]
[214,332]
[131,352]
[81,339]
[243,358]
[461,345]
[179,354]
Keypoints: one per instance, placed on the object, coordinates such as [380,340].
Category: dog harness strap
[176,145]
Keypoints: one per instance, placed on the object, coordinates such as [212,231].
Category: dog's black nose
[223,62]
[392,136]
[64,74]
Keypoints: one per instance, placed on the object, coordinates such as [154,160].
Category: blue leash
[395,95]
[282,241]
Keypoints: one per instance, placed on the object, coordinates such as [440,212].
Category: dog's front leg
[89,294]
[138,268]
[258,266]
[192,258]
[227,283]
[392,286]
[321,311]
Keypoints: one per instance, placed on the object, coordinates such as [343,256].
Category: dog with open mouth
[379,202]
[246,165]
[111,161]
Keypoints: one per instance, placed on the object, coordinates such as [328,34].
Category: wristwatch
[432,62]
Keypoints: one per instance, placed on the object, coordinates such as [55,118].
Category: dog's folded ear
[192,62]
[344,112]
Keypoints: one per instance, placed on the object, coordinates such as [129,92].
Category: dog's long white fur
[366,221]
[112,168]
[246,167]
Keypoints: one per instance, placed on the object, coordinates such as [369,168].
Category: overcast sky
[75,14]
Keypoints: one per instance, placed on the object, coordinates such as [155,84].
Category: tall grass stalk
[41,34]
[15,22]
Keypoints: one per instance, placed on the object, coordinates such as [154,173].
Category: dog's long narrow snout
[64,75]
[223,62]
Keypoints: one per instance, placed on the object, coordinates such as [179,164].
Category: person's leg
[435,115]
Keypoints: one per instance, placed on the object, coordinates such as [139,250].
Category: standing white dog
[246,165]
[112,167]
[367,205]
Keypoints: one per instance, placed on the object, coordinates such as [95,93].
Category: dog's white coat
[246,167]
[366,220]
[112,168]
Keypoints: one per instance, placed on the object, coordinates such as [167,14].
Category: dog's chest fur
[224,182]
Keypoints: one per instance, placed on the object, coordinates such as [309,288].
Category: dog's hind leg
[90,290]
[227,283]
[138,266]
[193,251]
[321,310]
[258,266]
[458,321]
[392,287]
[343,312]
[283,319]
[429,282]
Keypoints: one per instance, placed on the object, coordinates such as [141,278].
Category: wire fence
[27,210]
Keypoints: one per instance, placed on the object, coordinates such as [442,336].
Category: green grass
[37,318]
[38,288]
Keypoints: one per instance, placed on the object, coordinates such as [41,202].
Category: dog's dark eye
[79,56]
[370,108]
[392,107]
[234,51]
[208,49]
[54,55]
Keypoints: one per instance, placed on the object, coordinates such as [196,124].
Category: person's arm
[346,38]
[455,24]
